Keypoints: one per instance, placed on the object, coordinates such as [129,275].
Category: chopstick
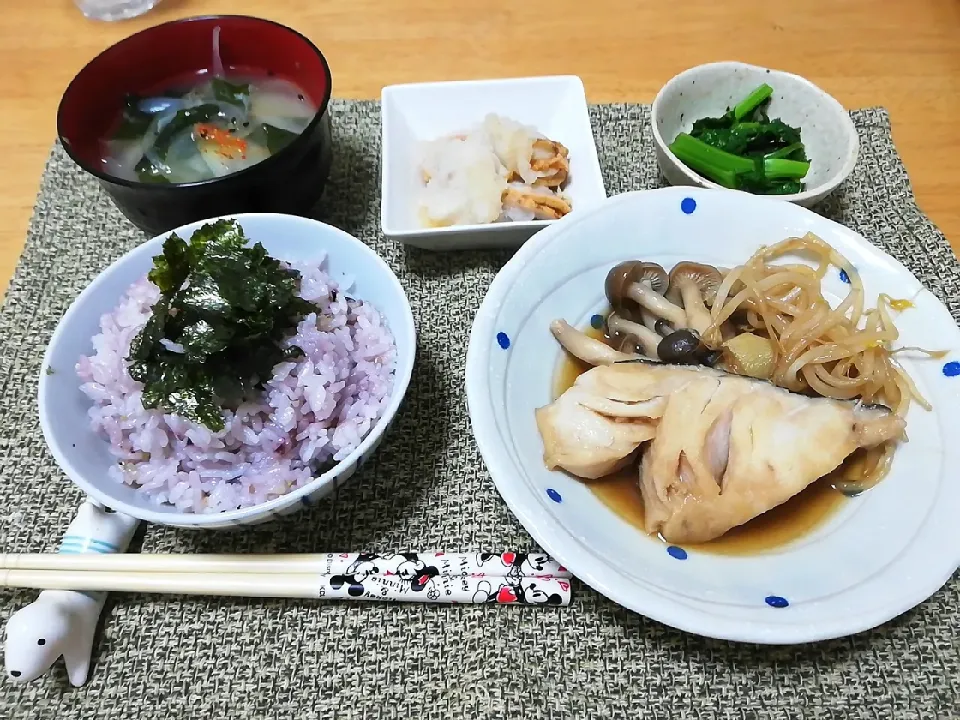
[411,579]
[475,564]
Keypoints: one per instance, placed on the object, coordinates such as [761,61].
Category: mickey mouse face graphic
[409,566]
[532,563]
[517,564]
[508,592]
[365,565]
[531,591]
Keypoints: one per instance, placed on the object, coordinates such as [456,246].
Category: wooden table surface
[899,54]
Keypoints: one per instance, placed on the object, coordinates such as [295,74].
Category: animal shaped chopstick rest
[62,623]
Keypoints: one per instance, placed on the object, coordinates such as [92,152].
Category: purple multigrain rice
[313,412]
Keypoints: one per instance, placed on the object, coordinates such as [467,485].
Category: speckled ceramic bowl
[709,90]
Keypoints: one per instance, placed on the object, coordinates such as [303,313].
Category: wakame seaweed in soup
[211,128]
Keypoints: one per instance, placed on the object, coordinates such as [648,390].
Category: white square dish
[413,113]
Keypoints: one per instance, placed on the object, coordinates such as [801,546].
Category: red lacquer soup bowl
[289,181]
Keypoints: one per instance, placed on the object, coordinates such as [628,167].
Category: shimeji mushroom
[620,276]
[695,286]
[681,346]
[627,335]
[586,348]
[644,283]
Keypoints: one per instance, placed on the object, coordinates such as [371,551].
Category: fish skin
[763,381]
[725,448]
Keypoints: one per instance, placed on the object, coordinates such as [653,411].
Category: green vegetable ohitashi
[216,332]
[745,150]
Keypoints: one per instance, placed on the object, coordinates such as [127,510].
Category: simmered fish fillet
[724,448]
[594,428]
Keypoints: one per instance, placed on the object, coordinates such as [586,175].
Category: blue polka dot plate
[871,558]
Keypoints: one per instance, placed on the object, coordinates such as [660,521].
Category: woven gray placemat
[172,657]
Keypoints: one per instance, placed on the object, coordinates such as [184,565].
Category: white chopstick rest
[62,622]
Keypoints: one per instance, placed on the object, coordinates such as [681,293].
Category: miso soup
[212,126]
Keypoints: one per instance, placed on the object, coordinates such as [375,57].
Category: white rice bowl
[314,411]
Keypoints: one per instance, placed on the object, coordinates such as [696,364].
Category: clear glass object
[115,9]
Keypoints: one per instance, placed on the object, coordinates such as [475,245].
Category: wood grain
[902,55]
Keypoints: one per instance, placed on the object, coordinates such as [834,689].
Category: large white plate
[881,554]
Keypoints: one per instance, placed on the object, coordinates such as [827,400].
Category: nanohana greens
[745,150]
[214,127]
[217,331]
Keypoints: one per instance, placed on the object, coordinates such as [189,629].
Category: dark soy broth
[786,523]
[795,518]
